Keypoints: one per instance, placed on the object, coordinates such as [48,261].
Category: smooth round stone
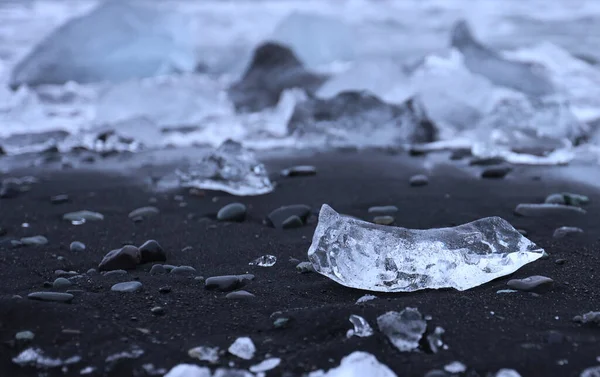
[486,161]
[158,269]
[239,295]
[92,271]
[125,258]
[305,267]
[144,212]
[24,335]
[277,217]
[84,215]
[164,289]
[61,283]
[298,171]
[535,284]
[114,273]
[384,220]
[51,296]
[292,222]
[227,283]
[59,199]
[496,172]
[129,286]
[232,212]
[65,273]
[383,210]
[34,241]
[183,270]
[77,246]
[168,267]
[565,231]
[151,251]
[158,310]
[436,373]
[418,180]
[560,261]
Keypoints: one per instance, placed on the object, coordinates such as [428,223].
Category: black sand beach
[533,334]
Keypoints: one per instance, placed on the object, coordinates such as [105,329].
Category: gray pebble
[305,267]
[24,335]
[130,286]
[35,240]
[65,273]
[158,269]
[232,212]
[9,189]
[300,170]
[384,220]
[292,222]
[383,210]
[560,261]
[164,289]
[237,295]
[565,231]
[77,246]
[536,284]
[591,318]
[151,251]
[418,180]
[277,217]
[125,258]
[61,283]
[51,296]
[158,310]
[84,215]
[59,199]
[114,273]
[144,212]
[227,283]
[183,270]
[531,210]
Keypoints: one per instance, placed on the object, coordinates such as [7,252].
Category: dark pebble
[297,171]
[47,284]
[77,246]
[292,222]
[237,295]
[227,283]
[560,261]
[536,284]
[34,241]
[565,231]
[541,210]
[168,267]
[151,251]
[3,231]
[59,199]
[232,212]
[158,310]
[183,270]
[277,217]
[418,180]
[125,258]
[129,286]
[51,296]
[496,172]
[158,269]
[114,273]
[460,154]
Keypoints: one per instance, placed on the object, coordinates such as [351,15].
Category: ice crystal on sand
[243,348]
[264,261]
[367,256]
[361,329]
[404,330]
[230,168]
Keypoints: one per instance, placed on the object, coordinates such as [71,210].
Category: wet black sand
[484,330]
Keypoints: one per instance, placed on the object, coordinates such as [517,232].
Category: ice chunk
[404,330]
[360,119]
[317,39]
[367,256]
[455,367]
[266,365]
[505,372]
[243,348]
[591,371]
[230,168]
[357,364]
[361,329]
[204,353]
[365,298]
[188,370]
[114,42]
[35,357]
[264,261]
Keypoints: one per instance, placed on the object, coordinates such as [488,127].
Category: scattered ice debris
[507,373]
[365,298]
[188,370]
[455,367]
[366,256]
[361,329]
[404,330]
[264,261]
[567,198]
[35,240]
[591,371]
[530,210]
[151,370]
[230,168]
[565,231]
[84,216]
[592,318]
[243,348]
[35,357]
[434,340]
[266,365]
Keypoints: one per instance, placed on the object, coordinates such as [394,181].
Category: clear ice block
[367,256]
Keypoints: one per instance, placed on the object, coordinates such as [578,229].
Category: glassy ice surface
[188,370]
[204,353]
[265,365]
[357,364]
[264,261]
[243,348]
[361,329]
[404,330]
[230,168]
[365,298]
[35,357]
[372,257]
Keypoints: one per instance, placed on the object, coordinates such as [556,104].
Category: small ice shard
[204,353]
[507,373]
[317,39]
[264,261]
[591,371]
[357,364]
[434,340]
[243,348]
[455,367]
[35,357]
[527,209]
[265,365]
[129,41]
[361,329]
[230,168]
[188,370]
[365,298]
[367,256]
[564,231]
[404,330]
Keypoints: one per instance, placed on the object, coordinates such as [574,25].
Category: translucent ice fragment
[317,39]
[591,371]
[230,168]
[357,364]
[265,365]
[35,357]
[507,373]
[404,330]
[264,261]
[367,256]
[188,370]
[455,367]
[243,348]
[361,329]
[204,353]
